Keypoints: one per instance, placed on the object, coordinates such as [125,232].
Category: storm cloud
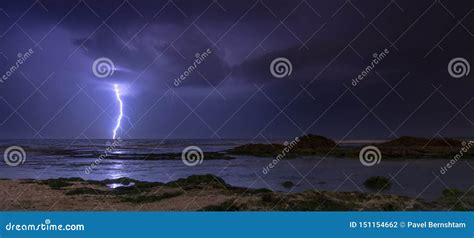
[231,93]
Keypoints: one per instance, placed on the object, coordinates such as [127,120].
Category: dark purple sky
[232,94]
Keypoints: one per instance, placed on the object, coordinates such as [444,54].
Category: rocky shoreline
[405,147]
[204,193]
[402,148]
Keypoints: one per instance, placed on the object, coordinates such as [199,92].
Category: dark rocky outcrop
[305,145]
[378,183]
[410,141]
[314,142]
[264,150]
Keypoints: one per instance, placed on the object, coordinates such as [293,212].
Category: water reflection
[117,170]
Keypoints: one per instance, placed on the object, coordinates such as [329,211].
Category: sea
[44,159]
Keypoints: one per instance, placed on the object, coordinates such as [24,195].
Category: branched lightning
[119,119]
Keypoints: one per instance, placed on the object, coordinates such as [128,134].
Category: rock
[314,141]
[410,141]
[308,144]
[257,149]
[378,183]
[288,184]
[199,181]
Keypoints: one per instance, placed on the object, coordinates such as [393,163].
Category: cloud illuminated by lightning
[119,119]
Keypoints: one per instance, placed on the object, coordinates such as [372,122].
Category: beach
[136,175]
[202,193]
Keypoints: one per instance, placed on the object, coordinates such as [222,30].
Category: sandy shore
[199,193]
[20,196]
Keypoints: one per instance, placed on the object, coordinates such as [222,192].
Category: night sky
[232,92]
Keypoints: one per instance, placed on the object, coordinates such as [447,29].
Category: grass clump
[152,198]
[85,191]
[197,181]
[451,192]
[270,198]
[57,184]
[226,206]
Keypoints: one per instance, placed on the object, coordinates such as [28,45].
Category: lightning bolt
[119,119]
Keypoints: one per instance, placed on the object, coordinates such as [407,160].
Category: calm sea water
[414,178]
